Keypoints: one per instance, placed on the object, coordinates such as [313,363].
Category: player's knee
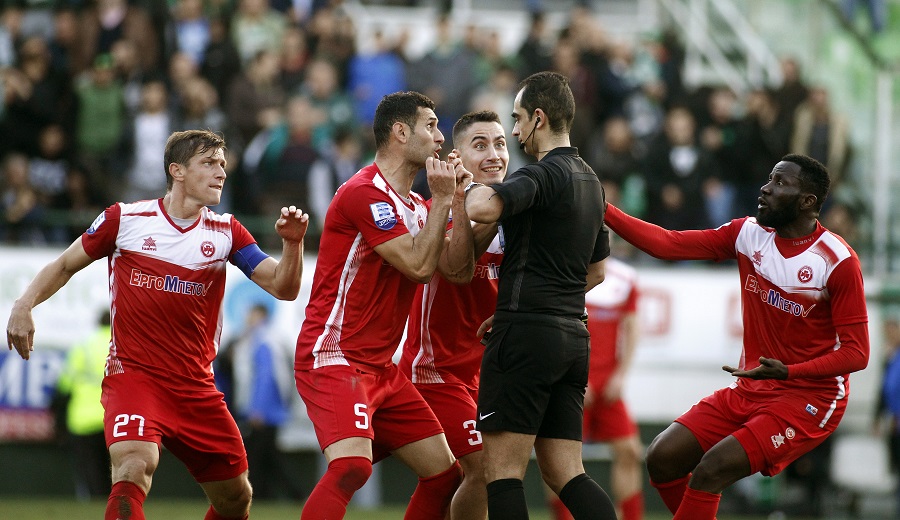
[446,482]
[714,473]
[659,461]
[134,469]
[350,473]
[233,499]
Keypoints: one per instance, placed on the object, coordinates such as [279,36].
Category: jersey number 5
[359,410]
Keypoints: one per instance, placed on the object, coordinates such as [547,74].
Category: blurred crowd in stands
[91,89]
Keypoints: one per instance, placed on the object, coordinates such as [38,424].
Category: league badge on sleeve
[96,224]
[383,214]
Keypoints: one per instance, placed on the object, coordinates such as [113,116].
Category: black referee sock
[506,500]
[586,500]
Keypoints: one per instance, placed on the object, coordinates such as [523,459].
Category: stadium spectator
[535,367]
[221,62]
[107,21]
[446,74]
[822,133]
[722,135]
[101,118]
[887,415]
[80,200]
[189,27]
[768,132]
[47,171]
[380,239]
[263,389]
[373,75]
[79,383]
[294,58]
[615,162]
[149,132]
[254,95]
[20,204]
[442,352]
[256,28]
[805,331]
[335,167]
[321,87]
[683,187]
[793,90]
[612,322]
[159,388]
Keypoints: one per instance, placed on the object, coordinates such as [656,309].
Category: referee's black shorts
[533,376]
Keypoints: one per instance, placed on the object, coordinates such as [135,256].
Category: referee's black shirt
[553,228]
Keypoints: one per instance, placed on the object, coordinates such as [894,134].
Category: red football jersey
[441,342]
[606,305]
[166,285]
[359,303]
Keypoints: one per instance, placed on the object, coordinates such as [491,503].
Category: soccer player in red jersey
[805,331]
[167,279]
[442,352]
[380,241]
[612,321]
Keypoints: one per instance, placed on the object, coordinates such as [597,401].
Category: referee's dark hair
[467,120]
[551,92]
[399,106]
[814,176]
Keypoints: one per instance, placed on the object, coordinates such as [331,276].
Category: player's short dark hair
[814,176]
[181,146]
[467,120]
[551,92]
[399,106]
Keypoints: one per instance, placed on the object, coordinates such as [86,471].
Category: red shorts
[456,407]
[773,432]
[604,422]
[194,425]
[345,402]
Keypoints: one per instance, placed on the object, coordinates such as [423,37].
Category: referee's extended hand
[769,368]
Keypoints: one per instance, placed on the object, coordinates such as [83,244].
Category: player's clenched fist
[441,177]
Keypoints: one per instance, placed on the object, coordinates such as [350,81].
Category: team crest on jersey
[805,274]
[207,248]
[95,225]
[383,214]
[790,433]
[149,244]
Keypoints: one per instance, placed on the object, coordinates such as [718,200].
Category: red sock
[432,496]
[633,507]
[698,505]
[672,492]
[212,514]
[558,510]
[126,502]
[331,495]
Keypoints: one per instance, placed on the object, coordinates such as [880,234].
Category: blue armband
[247,258]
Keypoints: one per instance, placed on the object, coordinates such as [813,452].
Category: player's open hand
[20,332]
[292,224]
[441,178]
[769,368]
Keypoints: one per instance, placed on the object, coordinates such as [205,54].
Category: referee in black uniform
[535,367]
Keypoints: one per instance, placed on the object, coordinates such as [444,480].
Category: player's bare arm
[20,328]
[457,262]
[768,369]
[281,278]
[417,257]
[483,204]
[595,275]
